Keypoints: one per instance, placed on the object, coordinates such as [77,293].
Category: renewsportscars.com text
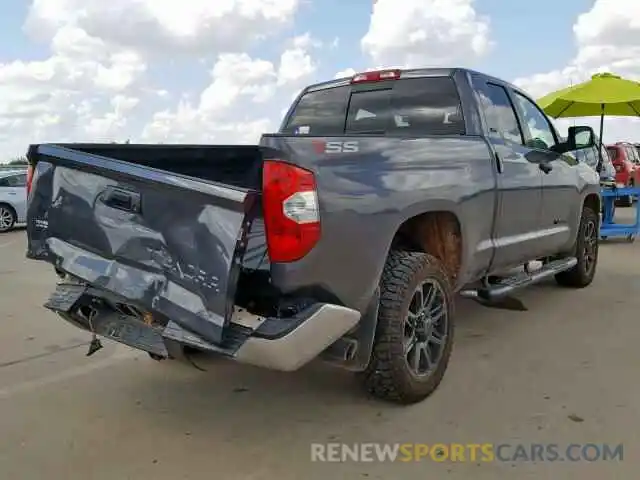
[472,452]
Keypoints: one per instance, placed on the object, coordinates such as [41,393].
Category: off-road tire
[578,276]
[388,375]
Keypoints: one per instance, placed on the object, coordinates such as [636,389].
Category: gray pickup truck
[346,236]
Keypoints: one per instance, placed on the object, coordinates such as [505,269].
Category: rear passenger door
[519,180]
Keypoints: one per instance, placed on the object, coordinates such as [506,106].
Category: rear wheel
[7,218]
[414,335]
[586,251]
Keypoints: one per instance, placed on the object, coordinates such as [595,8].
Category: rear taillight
[29,178]
[291,213]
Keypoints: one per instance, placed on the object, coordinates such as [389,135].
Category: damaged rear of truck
[175,259]
[344,236]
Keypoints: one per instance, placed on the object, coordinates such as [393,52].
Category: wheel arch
[437,232]
[593,201]
[10,207]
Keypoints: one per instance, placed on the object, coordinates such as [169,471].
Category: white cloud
[423,33]
[95,85]
[608,39]
[227,109]
[349,72]
[108,76]
[296,63]
[164,26]
[69,95]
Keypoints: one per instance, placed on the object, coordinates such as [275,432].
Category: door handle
[121,199]
[546,167]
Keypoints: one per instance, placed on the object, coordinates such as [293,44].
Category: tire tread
[385,377]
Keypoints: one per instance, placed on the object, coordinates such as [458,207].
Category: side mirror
[581,137]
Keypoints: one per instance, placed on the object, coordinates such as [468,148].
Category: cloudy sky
[223,71]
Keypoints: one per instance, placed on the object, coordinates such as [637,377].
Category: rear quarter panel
[366,195]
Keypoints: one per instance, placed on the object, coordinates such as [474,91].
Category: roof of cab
[405,73]
[411,73]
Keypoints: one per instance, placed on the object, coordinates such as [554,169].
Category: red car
[626,161]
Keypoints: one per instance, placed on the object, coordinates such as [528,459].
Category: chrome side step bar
[505,287]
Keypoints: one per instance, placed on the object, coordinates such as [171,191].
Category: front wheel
[414,335]
[586,251]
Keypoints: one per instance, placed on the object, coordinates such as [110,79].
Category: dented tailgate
[170,244]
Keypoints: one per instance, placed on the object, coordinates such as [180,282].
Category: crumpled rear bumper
[293,347]
[284,344]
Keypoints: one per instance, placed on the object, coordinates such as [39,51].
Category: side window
[537,129]
[320,113]
[582,139]
[17,180]
[4,182]
[500,115]
[594,156]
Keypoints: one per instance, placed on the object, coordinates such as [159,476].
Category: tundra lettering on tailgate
[320,146]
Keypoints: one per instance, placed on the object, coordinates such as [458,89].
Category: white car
[13,198]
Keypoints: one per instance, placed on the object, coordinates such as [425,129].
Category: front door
[519,181]
[561,206]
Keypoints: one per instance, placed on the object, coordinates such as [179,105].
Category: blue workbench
[608,227]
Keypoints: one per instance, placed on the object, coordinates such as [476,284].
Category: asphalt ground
[563,373]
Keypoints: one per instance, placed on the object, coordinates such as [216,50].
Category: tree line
[22,160]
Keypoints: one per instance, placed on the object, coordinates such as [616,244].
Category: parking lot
[563,372]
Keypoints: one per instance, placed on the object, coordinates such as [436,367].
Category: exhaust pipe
[341,351]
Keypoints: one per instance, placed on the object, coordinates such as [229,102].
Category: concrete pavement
[563,372]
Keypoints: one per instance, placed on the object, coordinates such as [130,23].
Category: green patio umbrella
[604,94]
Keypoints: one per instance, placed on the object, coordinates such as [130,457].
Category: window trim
[554,134]
[490,84]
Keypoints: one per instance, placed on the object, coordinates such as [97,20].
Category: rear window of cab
[413,107]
